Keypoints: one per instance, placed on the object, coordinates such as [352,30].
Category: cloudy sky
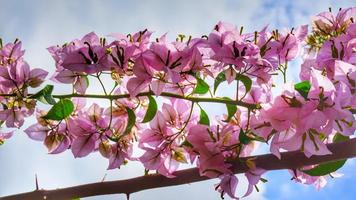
[42,23]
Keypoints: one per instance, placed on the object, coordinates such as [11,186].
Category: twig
[289,160]
[163,94]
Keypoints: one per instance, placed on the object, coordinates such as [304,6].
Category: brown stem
[289,160]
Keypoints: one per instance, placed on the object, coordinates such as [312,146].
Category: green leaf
[243,137]
[151,110]
[45,95]
[187,144]
[231,109]
[329,167]
[130,121]
[219,79]
[340,138]
[76,199]
[245,80]
[202,87]
[303,88]
[204,118]
[61,110]
[325,168]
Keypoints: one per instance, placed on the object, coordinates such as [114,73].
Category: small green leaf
[303,88]
[219,79]
[61,110]
[130,121]
[187,144]
[202,87]
[245,80]
[325,168]
[243,137]
[231,109]
[151,110]
[340,138]
[204,118]
[45,95]
[329,167]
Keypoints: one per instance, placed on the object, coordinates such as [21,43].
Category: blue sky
[42,23]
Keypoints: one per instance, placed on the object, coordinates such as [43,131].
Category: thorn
[103,179]
[36,182]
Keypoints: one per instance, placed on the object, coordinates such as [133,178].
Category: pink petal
[136,85]
[228,184]
[157,86]
[81,85]
[151,159]
[37,76]
[57,143]
[301,32]
[65,76]
[84,145]
[116,159]
[37,132]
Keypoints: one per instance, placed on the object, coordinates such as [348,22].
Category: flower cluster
[305,116]
[15,79]
[310,114]
[163,141]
